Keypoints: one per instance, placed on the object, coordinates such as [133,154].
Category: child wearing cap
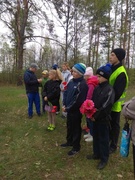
[119,81]
[44,80]
[74,96]
[92,82]
[103,98]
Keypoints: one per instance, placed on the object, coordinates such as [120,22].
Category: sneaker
[51,127]
[65,145]
[57,112]
[112,150]
[101,165]
[89,139]
[72,152]
[86,136]
[30,117]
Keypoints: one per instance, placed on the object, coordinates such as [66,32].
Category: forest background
[50,31]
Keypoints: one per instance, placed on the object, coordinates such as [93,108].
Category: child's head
[45,74]
[78,70]
[103,73]
[55,75]
[65,66]
[88,73]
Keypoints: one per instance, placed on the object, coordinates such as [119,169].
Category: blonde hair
[57,74]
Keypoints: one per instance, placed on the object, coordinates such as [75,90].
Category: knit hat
[55,66]
[104,71]
[45,72]
[80,68]
[89,71]
[120,53]
[34,65]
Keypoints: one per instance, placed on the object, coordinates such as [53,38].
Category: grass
[28,151]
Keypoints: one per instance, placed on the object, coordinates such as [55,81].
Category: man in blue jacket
[74,96]
[32,89]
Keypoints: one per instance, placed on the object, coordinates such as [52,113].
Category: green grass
[28,151]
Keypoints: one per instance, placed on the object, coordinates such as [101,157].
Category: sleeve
[90,91]
[106,106]
[119,85]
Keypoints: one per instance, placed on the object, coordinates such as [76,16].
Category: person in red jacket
[92,82]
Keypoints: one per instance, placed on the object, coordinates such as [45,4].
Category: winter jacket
[119,81]
[75,94]
[92,82]
[52,91]
[129,112]
[103,98]
[31,82]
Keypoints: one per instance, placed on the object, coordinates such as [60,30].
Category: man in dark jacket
[32,89]
[74,96]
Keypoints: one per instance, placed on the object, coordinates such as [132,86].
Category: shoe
[51,127]
[57,112]
[73,152]
[101,165]
[86,135]
[30,117]
[112,150]
[89,139]
[65,145]
[39,114]
[94,157]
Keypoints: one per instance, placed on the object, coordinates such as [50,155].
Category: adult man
[119,81]
[32,89]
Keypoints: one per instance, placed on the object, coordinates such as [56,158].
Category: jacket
[103,98]
[92,82]
[128,112]
[31,82]
[52,91]
[119,81]
[75,94]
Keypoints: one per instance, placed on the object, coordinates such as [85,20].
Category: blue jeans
[33,98]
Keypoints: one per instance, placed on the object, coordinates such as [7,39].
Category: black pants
[74,129]
[134,159]
[101,140]
[115,129]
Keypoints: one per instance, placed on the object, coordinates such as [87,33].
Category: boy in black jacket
[74,96]
[103,98]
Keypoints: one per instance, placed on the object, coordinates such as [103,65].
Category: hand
[63,109]
[39,80]
[45,98]
[92,119]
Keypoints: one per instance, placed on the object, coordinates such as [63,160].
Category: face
[75,74]
[51,76]
[33,69]
[101,79]
[64,68]
[113,59]
[86,77]
[44,75]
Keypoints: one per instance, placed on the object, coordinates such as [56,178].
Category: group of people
[106,89]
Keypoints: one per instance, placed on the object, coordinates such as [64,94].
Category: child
[92,82]
[103,98]
[51,94]
[66,77]
[44,80]
[74,96]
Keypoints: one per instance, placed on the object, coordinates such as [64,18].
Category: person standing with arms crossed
[119,81]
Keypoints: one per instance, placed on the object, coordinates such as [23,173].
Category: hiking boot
[101,165]
[73,152]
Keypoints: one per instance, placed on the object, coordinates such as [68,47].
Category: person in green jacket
[119,81]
